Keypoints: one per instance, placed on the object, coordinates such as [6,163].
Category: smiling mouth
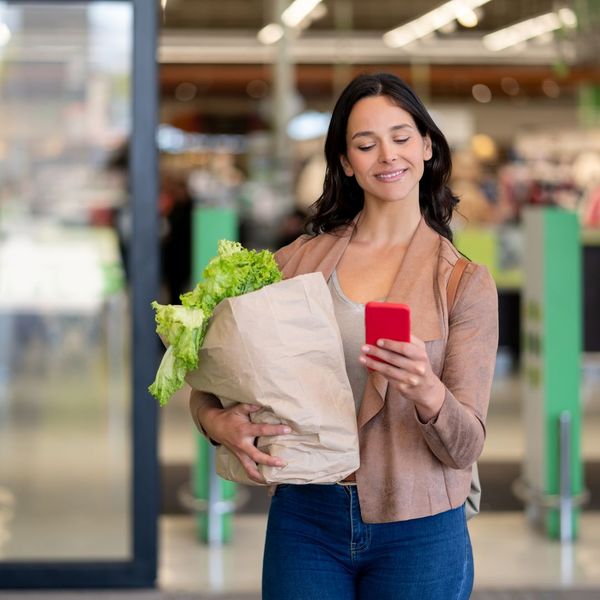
[391,176]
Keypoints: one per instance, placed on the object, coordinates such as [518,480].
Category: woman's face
[385,151]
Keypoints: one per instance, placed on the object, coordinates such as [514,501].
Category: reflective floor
[510,554]
[511,557]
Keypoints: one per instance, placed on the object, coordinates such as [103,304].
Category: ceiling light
[430,22]
[510,86]
[568,17]
[466,16]
[186,91]
[270,34]
[551,88]
[297,11]
[481,93]
[522,31]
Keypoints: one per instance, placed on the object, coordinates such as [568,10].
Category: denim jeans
[318,548]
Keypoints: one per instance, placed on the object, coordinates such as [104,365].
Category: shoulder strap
[457,271]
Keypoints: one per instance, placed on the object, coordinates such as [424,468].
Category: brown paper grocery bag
[280,348]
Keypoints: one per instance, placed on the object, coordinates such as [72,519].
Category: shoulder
[308,248]
[286,253]
[476,281]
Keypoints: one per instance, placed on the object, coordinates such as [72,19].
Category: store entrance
[78,269]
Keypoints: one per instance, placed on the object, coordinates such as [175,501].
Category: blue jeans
[318,548]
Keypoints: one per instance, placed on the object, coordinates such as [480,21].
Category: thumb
[247,408]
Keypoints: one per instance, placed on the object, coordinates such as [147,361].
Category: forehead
[377,112]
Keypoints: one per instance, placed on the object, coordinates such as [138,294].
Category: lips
[391,176]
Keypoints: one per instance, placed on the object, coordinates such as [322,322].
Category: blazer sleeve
[199,399]
[457,433]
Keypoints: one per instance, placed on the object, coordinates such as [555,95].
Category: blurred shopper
[380,230]
[176,244]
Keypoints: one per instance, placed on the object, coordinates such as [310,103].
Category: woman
[396,528]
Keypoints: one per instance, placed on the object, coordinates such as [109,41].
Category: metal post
[566,497]
[283,98]
[215,512]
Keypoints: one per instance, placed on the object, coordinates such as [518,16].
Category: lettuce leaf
[233,272]
[169,377]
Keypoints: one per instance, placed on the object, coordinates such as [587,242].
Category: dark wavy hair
[343,198]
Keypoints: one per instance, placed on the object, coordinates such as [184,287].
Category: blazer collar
[415,283]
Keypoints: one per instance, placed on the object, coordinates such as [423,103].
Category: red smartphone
[386,320]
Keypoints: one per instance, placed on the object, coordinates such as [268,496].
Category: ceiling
[213,44]
[358,15]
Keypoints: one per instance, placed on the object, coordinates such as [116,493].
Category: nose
[387,153]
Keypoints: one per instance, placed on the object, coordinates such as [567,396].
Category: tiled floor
[509,555]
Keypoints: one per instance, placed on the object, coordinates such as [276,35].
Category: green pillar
[213,525]
[588,22]
[551,360]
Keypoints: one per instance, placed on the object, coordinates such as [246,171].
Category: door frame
[143,268]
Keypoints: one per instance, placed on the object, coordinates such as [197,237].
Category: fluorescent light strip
[270,34]
[522,31]
[293,15]
[429,22]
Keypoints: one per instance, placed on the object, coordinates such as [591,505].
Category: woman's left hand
[407,368]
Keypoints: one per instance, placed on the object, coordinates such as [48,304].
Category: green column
[551,360]
[209,226]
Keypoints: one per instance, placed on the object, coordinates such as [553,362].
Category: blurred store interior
[244,104]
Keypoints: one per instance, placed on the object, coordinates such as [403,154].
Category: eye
[366,148]
[401,140]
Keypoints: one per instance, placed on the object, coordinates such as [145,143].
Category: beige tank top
[350,318]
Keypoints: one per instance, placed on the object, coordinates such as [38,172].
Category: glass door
[78,269]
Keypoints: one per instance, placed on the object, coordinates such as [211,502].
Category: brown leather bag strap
[454,280]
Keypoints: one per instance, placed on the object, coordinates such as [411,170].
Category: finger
[404,348]
[246,409]
[262,458]
[390,371]
[398,360]
[251,468]
[407,349]
[256,429]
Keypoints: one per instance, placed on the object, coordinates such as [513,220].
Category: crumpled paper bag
[280,348]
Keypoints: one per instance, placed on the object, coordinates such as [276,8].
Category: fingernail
[362,359]
[380,343]
[365,348]
[413,381]
[286,430]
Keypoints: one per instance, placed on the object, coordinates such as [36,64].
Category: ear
[427,149]
[348,170]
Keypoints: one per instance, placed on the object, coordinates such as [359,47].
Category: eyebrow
[372,133]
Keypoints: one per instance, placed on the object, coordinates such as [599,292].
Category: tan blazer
[411,469]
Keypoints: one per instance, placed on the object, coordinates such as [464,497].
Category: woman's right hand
[233,428]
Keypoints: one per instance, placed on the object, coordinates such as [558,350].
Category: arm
[451,410]
[456,434]
[233,428]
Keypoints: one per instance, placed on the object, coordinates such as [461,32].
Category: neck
[387,224]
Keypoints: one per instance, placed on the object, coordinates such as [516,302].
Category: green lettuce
[233,272]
